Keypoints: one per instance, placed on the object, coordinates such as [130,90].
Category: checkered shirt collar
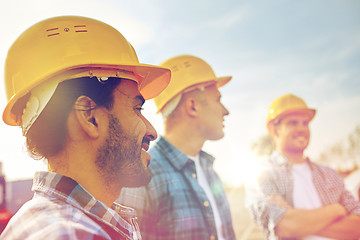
[70,191]
[282,161]
[176,157]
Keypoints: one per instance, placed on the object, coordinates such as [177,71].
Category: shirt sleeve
[264,213]
[349,202]
[331,188]
[35,225]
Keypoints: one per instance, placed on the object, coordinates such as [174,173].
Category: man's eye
[292,123]
[140,109]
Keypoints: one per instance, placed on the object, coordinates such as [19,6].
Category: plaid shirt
[174,205]
[277,179]
[62,209]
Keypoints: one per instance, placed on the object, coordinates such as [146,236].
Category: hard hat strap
[41,94]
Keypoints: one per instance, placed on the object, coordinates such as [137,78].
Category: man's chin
[139,180]
[295,150]
[302,147]
[145,158]
[216,136]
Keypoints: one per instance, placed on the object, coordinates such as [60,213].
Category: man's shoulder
[266,172]
[47,208]
[323,168]
[325,172]
[266,164]
[45,217]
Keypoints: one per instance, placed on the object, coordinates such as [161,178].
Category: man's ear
[270,128]
[191,107]
[86,114]
[273,129]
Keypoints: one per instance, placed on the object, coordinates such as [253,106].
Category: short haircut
[171,107]
[47,136]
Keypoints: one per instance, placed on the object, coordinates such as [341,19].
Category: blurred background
[310,48]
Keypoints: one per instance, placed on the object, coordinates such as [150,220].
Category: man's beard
[119,159]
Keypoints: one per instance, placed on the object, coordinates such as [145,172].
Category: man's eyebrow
[140,98]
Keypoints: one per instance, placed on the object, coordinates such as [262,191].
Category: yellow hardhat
[68,47]
[186,71]
[285,105]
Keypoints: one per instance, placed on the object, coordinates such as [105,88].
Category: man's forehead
[128,87]
[214,89]
[212,86]
[296,116]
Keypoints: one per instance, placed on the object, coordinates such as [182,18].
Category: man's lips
[145,146]
[145,143]
[301,138]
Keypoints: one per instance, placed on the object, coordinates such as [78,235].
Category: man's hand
[340,209]
[299,223]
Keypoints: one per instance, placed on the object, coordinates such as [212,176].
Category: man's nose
[150,130]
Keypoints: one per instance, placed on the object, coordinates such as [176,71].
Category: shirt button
[212,237]
[194,175]
[206,203]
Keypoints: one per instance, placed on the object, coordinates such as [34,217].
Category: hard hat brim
[306,111]
[222,81]
[219,81]
[155,80]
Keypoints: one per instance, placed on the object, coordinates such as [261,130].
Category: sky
[310,48]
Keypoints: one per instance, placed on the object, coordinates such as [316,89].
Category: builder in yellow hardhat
[76,88]
[294,197]
[185,198]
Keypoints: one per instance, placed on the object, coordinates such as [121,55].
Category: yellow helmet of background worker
[186,71]
[69,47]
[285,105]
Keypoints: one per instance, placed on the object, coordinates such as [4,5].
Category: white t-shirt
[205,185]
[305,195]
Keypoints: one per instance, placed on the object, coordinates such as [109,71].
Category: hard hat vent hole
[187,64]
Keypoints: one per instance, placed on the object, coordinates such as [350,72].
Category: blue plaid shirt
[174,206]
[276,178]
[62,209]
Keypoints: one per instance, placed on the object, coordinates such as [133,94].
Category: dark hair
[46,137]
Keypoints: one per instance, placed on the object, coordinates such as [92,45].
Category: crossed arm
[329,221]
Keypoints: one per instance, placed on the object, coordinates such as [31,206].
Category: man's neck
[293,157]
[80,167]
[189,145]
